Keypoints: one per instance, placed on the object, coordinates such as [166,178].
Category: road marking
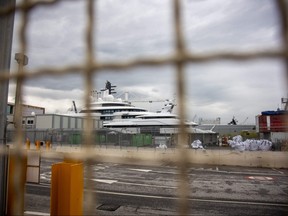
[154,171]
[243,173]
[278,171]
[260,178]
[147,185]
[167,172]
[141,170]
[250,172]
[99,168]
[46,176]
[107,181]
[205,169]
[193,199]
[36,213]
[207,181]
[128,183]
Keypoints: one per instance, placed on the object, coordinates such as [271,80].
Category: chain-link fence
[113,138]
[91,66]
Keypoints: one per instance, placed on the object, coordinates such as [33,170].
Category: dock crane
[244,120]
[74,106]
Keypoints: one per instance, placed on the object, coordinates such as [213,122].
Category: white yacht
[164,118]
[163,122]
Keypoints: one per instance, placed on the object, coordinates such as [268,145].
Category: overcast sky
[128,29]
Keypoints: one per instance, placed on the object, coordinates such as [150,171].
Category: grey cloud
[232,25]
[137,28]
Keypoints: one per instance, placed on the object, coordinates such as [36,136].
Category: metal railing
[91,66]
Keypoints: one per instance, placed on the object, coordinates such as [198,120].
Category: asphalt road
[142,190]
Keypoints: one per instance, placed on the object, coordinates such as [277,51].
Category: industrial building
[272,125]
[26,109]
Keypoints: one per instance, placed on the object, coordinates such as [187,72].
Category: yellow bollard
[37,144]
[48,145]
[67,189]
[27,143]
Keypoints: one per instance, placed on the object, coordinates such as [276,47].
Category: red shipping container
[278,123]
[273,123]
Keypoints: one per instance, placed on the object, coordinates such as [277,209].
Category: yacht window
[158,117]
[90,111]
[113,104]
[106,118]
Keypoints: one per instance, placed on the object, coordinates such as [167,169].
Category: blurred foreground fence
[90,66]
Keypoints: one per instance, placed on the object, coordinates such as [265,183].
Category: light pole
[22,60]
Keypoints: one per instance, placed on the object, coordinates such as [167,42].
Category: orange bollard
[67,183]
[27,143]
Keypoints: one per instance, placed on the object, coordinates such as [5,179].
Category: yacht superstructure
[147,119]
[104,105]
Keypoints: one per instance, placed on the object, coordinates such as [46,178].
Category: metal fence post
[6,35]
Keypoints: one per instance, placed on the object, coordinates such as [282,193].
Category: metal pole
[6,35]
[22,60]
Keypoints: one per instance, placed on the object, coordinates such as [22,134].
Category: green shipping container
[75,139]
[140,140]
[100,138]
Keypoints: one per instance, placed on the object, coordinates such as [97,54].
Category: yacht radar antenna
[110,87]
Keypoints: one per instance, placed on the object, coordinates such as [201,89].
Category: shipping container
[272,123]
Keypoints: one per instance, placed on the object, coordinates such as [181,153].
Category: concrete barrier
[272,159]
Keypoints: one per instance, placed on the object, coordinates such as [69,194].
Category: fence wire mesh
[91,66]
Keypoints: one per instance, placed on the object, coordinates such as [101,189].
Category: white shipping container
[79,123]
[72,123]
[65,122]
[44,121]
[279,137]
[56,121]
